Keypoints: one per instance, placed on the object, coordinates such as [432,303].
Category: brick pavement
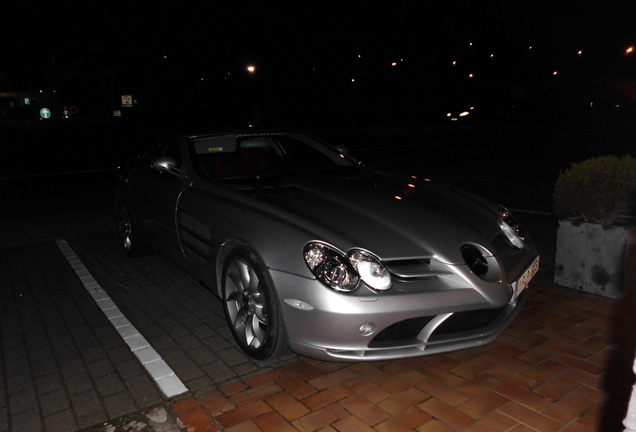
[546,373]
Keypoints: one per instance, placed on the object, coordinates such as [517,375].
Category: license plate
[524,280]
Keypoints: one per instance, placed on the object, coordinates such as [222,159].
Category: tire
[127,230]
[251,308]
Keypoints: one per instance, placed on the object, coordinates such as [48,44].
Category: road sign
[45,113]
[126,100]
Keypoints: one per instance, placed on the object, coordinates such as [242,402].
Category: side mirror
[166,164]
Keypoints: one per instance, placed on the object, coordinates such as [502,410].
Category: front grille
[400,332]
[467,321]
[405,332]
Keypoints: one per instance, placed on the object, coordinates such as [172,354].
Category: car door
[156,186]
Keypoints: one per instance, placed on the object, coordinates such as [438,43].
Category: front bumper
[407,323]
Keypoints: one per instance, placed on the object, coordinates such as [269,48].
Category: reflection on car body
[311,250]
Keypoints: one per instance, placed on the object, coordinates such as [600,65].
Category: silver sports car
[310,250]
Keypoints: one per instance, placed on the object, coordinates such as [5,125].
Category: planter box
[591,257]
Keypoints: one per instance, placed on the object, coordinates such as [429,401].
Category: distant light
[470,75]
[492,55]
[411,185]
[353,80]
[530,47]
[555,73]
[629,50]
[251,69]
[394,64]
[580,52]
[397,197]
[454,62]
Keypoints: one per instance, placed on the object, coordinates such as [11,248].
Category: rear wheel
[127,230]
[250,307]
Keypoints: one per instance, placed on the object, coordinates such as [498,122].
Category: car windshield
[225,157]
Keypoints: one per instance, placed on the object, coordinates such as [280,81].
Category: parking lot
[65,367]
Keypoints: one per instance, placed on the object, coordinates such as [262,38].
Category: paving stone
[100,368]
[72,367]
[27,421]
[129,369]
[119,404]
[14,357]
[202,355]
[93,354]
[109,384]
[45,365]
[91,419]
[144,392]
[86,403]
[78,384]
[24,401]
[54,402]
[19,382]
[219,372]
[199,383]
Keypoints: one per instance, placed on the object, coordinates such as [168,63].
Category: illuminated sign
[126,101]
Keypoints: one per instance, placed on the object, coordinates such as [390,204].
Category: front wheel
[250,307]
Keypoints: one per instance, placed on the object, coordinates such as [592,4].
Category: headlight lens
[331,267]
[370,269]
[343,272]
[511,228]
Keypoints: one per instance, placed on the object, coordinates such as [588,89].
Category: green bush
[597,189]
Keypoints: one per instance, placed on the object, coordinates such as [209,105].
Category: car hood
[394,217]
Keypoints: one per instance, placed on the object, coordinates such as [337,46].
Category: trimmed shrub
[598,189]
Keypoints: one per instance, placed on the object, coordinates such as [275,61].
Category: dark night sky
[319,32]
[289,41]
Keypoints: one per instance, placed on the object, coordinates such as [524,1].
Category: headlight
[370,269]
[511,228]
[331,267]
[342,272]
